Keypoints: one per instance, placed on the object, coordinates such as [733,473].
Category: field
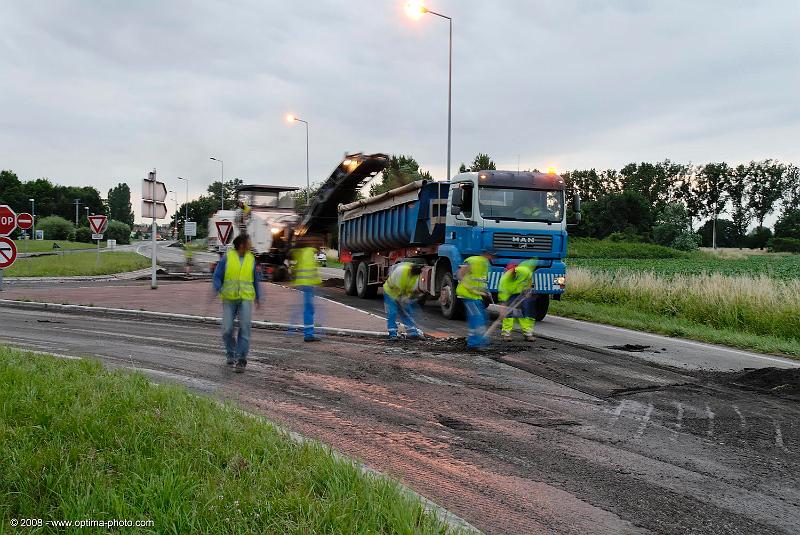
[77,442]
[42,246]
[734,298]
[77,264]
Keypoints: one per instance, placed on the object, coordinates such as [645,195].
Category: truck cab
[516,216]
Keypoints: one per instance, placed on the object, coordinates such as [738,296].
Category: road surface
[552,438]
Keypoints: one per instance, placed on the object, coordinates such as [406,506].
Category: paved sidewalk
[281,304]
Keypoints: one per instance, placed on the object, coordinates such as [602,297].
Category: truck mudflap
[550,280]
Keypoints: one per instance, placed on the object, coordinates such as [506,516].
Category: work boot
[529,337]
[240,366]
[312,339]
[505,335]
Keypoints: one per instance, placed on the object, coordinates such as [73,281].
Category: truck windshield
[521,204]
[267,199]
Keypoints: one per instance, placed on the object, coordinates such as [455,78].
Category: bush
[117,230]
[785,245]
[788,225]
[758,238]
[83,234]
[55,228]
[686,241]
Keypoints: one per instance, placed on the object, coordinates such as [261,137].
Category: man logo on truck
[523,241]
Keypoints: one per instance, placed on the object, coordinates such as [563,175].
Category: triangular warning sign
[224,231]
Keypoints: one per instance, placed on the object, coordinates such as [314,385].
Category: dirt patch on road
[333,283]
[783,382]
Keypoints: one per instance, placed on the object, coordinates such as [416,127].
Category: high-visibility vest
[239,282]
[306,271]
[401,283]
[516,283]
[476,281]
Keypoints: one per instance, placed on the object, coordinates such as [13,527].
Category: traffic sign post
[154,193]
[8,220]
[24,221]
[98,223]
[224,231]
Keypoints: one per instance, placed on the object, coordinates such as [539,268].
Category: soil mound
[785,382]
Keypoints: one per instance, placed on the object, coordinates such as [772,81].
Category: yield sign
[8,220]
[8,252]
[98,223]
[24,221]
[224,231]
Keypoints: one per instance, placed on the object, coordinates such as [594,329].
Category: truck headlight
[561,280]
[275,230]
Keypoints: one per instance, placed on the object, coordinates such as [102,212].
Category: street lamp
[415,10]
[175,200]
[292,119]
[33,217]
[222,185]
[87,214]
[186,216]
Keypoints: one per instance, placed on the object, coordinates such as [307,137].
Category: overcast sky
[100,91]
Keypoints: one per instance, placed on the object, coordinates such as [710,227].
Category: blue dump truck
[517,216]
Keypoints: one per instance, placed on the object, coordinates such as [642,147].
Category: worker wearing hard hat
[399,297]
[514,290]
[306,277]
[472,288]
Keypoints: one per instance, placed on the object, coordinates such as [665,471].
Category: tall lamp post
[33,217]
[86,208]
[293,119]
[415,10]
[222,184]
[175,200]
[186,215]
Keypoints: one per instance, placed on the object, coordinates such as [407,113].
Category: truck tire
[364,290]
[541,306]
[350,278]
[452,308]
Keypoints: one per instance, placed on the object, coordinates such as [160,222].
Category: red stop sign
[8,220]
[24,221]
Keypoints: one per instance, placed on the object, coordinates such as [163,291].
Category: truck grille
[542,243]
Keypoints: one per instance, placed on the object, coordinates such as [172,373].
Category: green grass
[775,266]
[42,246]
[77,264]
[77,442]
[591,248]
[631,318]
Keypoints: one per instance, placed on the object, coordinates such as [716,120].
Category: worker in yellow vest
[515,288]
[472,287]
[399,298]
[236,281]
[306,278]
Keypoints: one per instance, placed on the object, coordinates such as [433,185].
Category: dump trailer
[517,216]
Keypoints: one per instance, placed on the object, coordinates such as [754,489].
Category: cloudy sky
[100,91]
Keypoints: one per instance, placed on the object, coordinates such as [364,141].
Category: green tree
[791,196]
[117,230]
[627,212]
[481,162]
[726,233]
[788,225]
[401,170]
[736,189]
[758,238]
[56,228]
[766,188]
[119,204]
[656,182]
[11,191]
[712,184]
[671,224]
[42,191]
[229,191]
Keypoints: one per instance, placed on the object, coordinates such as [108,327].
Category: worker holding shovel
[514,292]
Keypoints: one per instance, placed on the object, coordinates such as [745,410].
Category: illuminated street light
[415,9]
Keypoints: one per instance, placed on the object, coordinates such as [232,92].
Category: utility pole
[77,203]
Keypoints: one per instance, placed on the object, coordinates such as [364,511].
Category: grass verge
[46,246]
[630,318]
[77,264]
[78,442]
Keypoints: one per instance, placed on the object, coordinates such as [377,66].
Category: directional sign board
[154,193]
[224,231]
[8,252]
[190,229]
[24,221]
[98,224]
[8,220]
[151,209]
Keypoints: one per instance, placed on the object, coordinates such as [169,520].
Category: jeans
[406,312]
[476,322]
[308,310]
[237,347]
[524,313]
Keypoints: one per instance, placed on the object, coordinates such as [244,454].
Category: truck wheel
[541,306]
[452,308]
[364,290]
[350,278]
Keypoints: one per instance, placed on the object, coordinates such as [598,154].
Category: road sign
[154,209]
[190,229]
[97,236]
[24,221]
[8,252]
[8,220]
[98,224]
[224,231]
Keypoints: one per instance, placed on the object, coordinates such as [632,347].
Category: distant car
[322,258]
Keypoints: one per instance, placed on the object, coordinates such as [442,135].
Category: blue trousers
[308,310]
[406,314]
[476,322]
[236,348]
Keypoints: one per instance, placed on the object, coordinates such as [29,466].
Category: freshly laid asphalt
[542,438]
